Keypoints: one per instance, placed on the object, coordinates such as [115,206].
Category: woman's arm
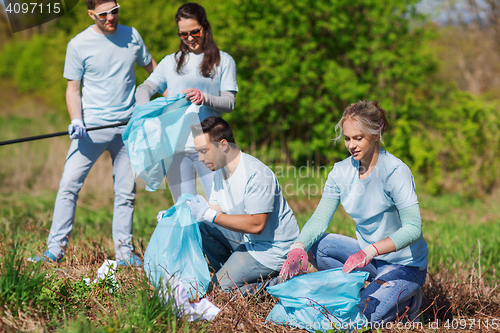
[224,103]
[144,92]
[318,223]
[410,231]
[312,231]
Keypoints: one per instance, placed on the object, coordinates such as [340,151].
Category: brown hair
[211,56]
[91,4]
[217,128]
[371,118]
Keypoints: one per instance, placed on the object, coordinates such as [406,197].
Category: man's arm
[74,99]
[245,223]
[150,67]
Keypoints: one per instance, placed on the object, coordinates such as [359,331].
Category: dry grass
[461,292]
[244,313]
[448,295]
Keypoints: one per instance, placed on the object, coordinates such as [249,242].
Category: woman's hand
[296,259]
[195,96]
[360,259]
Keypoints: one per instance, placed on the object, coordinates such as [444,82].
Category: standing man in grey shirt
[99,67]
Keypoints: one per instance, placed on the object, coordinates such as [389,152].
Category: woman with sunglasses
[208,77]
[377,190]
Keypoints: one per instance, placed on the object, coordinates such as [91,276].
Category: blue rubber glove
[201,210]
[76,129]
[161,214]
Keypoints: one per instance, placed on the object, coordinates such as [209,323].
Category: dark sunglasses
[192,33]
[103,15]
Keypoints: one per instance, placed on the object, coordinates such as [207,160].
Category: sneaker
[46,256]
[414,310]
[132,261]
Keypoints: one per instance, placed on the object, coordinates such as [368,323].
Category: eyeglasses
[192,33]
[103,15]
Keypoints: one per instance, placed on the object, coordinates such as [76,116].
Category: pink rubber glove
[360,259]
[195,96]
[296,258]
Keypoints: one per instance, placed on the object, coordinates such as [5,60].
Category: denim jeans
[378,302]
[181,175]
[82,155]
[227,255]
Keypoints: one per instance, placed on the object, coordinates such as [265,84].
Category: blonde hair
[371,119]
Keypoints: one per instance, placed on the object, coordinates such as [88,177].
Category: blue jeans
[181,175]
[379,302]
[227,255]
[82,155]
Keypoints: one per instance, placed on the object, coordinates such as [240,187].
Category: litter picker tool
[45,136]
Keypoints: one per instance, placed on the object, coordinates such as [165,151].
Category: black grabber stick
[45,136]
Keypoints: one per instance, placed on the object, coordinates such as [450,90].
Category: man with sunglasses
[100,70]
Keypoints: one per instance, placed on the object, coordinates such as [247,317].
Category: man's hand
[195,96]
[360,259]
[201,210]
[76,130]
[296,259]
[161,214]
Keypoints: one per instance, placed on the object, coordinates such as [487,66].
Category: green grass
[69,305]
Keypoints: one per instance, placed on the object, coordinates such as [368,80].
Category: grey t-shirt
[254,189]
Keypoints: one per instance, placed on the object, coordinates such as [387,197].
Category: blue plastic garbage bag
[320,301]
[155,132]
[175,247]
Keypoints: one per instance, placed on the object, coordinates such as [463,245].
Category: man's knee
[223,282]
[125,198]
[70,183]
[204,229]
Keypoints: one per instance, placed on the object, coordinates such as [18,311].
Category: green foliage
[452,147]
[29,69]
[11,52]
[301,64]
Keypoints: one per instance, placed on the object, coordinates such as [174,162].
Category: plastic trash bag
[175,248]
[202,310]
[320,301]
[107,273]
[155,132]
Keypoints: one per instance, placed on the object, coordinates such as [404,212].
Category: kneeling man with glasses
[248,225]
